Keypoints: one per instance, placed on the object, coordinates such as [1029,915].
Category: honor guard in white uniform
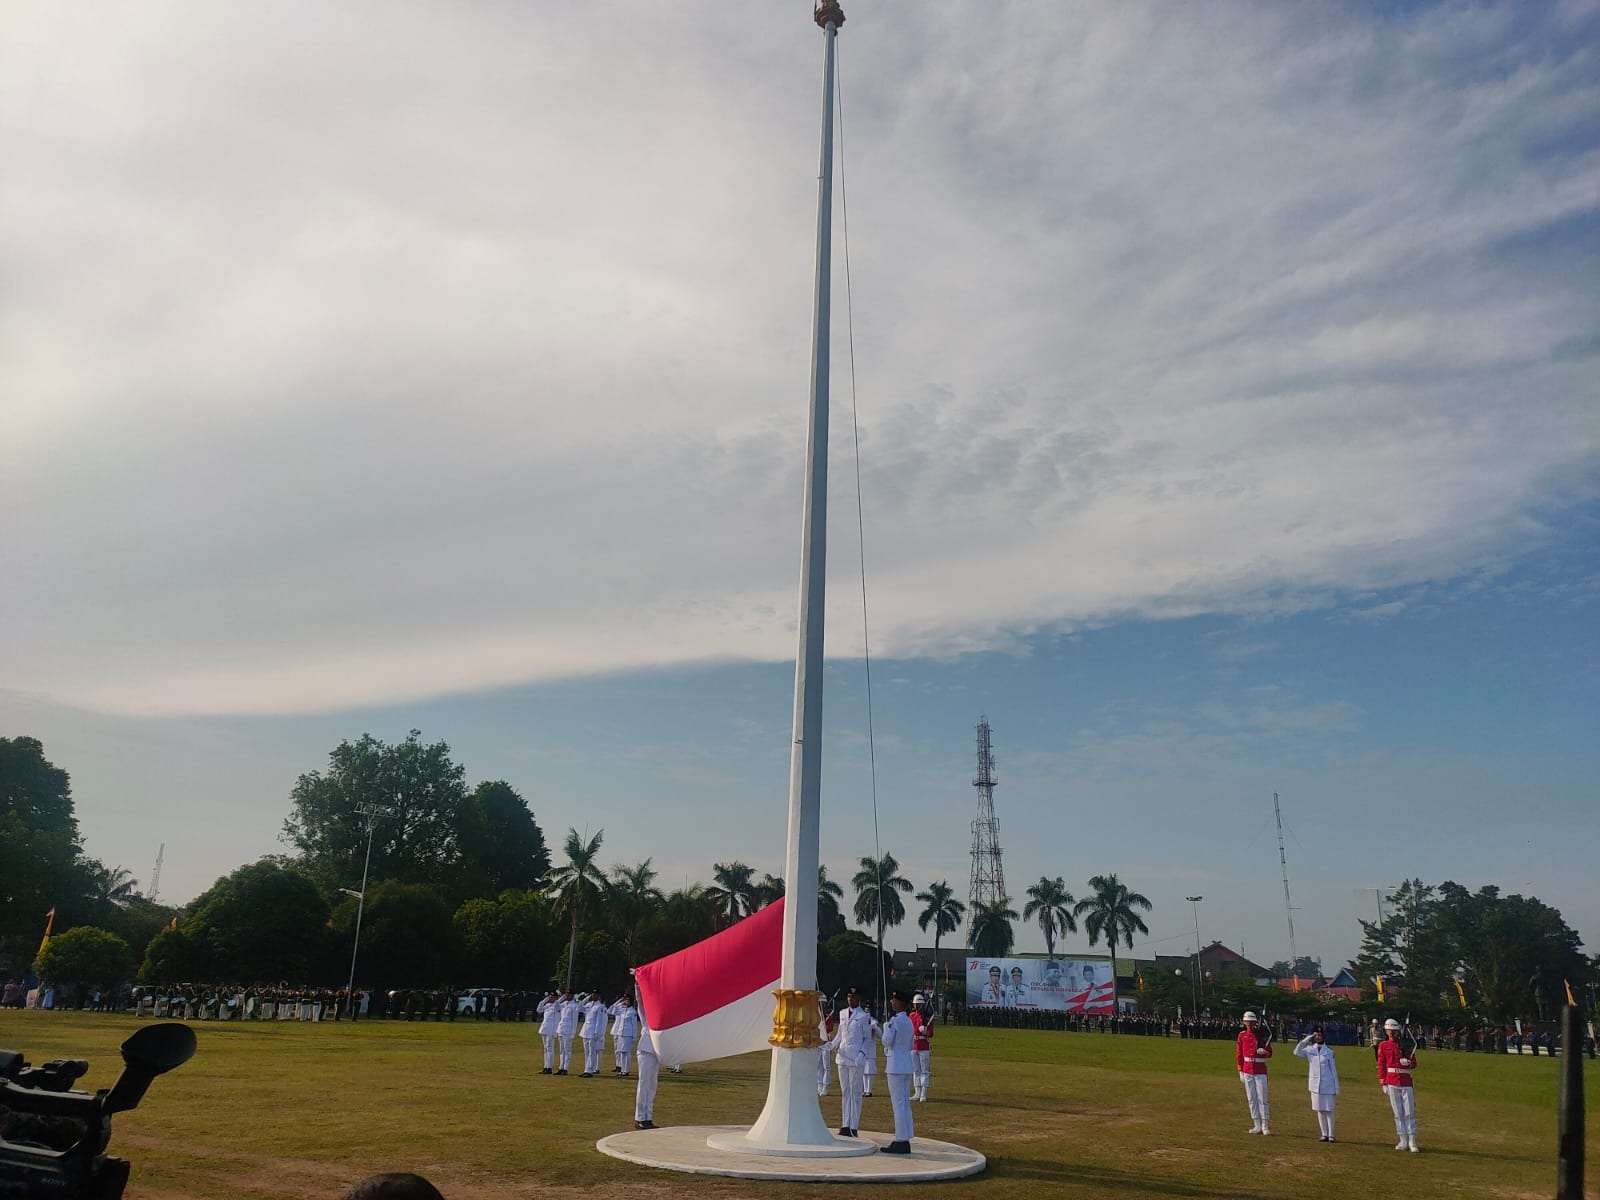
[644,1096]
[852,1045]
[566,1029]
[921,1046]
[593,1034]
[897,1065]
[624,1031]
[549,1011]
[1323,1080]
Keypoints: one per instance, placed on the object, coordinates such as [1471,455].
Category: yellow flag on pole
[1378,979]
[1570,1000]
[49,924]
[1460,992]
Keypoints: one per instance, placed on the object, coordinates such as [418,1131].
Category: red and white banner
[714,998]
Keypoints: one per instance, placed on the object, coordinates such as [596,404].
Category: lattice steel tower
[988,875]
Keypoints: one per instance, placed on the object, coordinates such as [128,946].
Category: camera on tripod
[53,1138]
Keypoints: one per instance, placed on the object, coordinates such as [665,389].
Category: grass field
[290,1111]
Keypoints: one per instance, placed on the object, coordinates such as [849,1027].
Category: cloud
[356,356]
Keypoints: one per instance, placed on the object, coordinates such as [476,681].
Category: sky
[1224,378]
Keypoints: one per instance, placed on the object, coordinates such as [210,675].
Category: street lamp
[371,814]
[1194,984]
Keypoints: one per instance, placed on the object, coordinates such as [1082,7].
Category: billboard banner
[1080,985]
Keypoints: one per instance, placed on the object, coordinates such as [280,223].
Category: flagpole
[791,1122]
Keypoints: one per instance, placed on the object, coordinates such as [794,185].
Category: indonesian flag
[714,998]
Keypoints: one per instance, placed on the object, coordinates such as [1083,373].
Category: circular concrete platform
[687,1148]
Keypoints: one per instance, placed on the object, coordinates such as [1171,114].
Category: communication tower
[155,874]
[988,875]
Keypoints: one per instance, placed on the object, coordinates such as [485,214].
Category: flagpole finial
[829,13]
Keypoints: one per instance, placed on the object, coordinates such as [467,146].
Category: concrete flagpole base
[690,1149]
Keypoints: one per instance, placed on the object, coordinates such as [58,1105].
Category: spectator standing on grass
[1322,1081]
[1252,1048]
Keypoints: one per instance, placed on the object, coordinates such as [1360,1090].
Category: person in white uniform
[624,1030]
[566,1029]
[852,1044]
[644,1095]
[593,1033]
[549,1011]
[897,1065]
[1323,1080]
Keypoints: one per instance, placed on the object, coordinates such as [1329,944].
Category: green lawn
[288,1110]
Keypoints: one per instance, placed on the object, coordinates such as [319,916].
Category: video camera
[53,1139]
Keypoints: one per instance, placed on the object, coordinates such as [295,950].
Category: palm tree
[768,890]
[991,928]
[1051,902]
[112,885]
[734,893]
[578,886]
[1111,912]
[631,899]
[690,909]
[944,912]
[829,894]
[878,886]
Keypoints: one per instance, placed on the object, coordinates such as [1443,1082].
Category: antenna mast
[988,875]
[1288,908]
[155,873]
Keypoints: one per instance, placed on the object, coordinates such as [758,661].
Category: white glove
[1386,1089]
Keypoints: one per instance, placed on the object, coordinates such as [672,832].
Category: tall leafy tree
[941,910]
[830,920]
[734,892]
[579,885]
[85,955]
[632,898]
[419,791]
[1516,954]
[991,933]
[1113,913]
[769,889]
[498,842]
[41,861]
[511,940]
[879,886]
[1050,901]
[263,921]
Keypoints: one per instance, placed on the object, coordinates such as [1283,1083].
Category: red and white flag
[714,998]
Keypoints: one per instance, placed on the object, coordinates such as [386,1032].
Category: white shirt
[550,1009]
[853,1041]
[1324,1076]
[897,1036]
[594,1019]
[567,1025]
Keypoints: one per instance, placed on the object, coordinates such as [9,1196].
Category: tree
[85,955]
[734,892]
[848,959]
[943,911]
[419,792]
[878,888]
[632,898]
[1515,952]
[510,941]
[1410,948]
[830,920]
[991,934]
[263,921]
[1113,912]
[498,842]
[408,937]
[769,889]
[41,860]
[1050,901]
[578,886]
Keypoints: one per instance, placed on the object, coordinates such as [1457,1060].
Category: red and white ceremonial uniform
[1395,1064]
[921,1051]
[1250,1055]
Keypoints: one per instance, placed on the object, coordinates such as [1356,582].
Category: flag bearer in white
[566,1029]
[1323,1081]
[644,1096]
[549,1011]
[897,1038]
[593,1034]
[851,1044]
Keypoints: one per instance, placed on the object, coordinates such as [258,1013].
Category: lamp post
[1194,988]
[371,814]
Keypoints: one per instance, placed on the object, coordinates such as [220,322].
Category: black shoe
[844,1131]
[895,1148]
[546,1071]
[563,1071]
[644,1124]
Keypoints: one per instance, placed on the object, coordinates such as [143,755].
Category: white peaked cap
[1391,1023]
[1250,1016]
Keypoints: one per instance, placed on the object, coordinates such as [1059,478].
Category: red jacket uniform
[1251,1054]
[1395,1064]
[921,1029]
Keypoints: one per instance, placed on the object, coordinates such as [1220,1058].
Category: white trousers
[623,1051]
[1403,1101]
[591,1053]
[1324,1121]
[900,1102]
[919,1071]
[824,1073]
[644,1096]
[549,1040]
[868,1069]
[1255,1091]
[850,1094]
[566,1049]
